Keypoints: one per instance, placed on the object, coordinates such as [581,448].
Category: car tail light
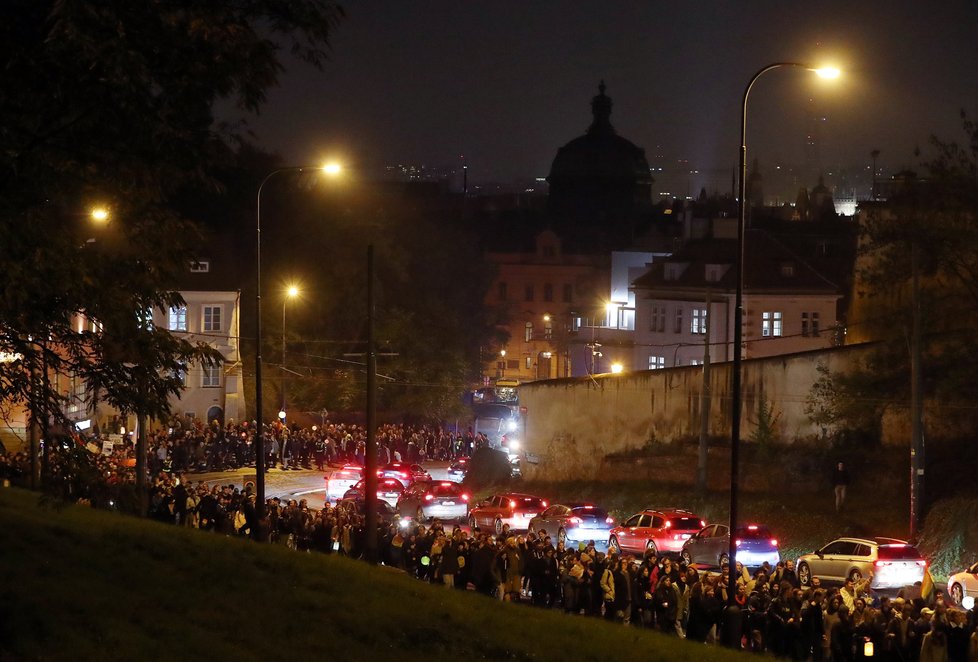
[752,527]
[429,497]
[402,474]
[669,524]
[544,504]
[465,497]
[608,520]
[702,523]
[512,504]
[737,543]
[774,542]
[574,520]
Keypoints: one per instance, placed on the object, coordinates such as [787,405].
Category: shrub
[950,536]
[488,466]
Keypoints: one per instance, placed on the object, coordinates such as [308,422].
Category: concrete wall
[571,425]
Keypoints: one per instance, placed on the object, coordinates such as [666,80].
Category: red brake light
[574,520]
[608,520]
[774,542]
[752,527]
[669,524]
[447,484]
[465,497]
[429,497]
[737,543]
[512,504]
[544,504]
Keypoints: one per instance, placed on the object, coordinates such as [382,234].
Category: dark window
[528,293]
[548,292]
[501,291]
[568,293]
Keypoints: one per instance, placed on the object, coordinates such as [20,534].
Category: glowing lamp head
[617,368]
[332,169]
[99,214]
[281,415]
[292,291]
[828,72]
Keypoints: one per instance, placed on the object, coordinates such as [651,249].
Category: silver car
[574,523]
[426,500]
[891,563]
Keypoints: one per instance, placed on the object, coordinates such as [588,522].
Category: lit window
[698,323]
[771,323]
[529,332]
[177,319]
[656,362]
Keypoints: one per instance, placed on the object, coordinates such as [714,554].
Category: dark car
[385,513]
[458,469]
[405,472]
[388,490]
[711,546]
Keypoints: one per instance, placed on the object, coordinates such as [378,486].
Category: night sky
[506,83]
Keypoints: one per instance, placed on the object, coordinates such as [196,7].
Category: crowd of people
[779,616]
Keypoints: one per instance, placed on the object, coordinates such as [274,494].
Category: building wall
[570,425]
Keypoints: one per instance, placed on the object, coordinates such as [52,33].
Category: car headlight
[514,445]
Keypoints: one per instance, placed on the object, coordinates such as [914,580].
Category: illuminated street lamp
[99,214]
[330,169]
[617,368]
[732,615]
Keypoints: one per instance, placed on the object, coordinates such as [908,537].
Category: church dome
[600,154]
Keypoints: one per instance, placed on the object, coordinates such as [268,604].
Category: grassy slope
[802,523]
[80,584]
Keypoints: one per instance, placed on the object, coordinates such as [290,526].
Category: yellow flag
[927,585]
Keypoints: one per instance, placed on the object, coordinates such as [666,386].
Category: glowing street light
[617,368]
[99,214]
[732,615]
[332,169]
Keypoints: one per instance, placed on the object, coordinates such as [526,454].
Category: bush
[950,536]
[488,466]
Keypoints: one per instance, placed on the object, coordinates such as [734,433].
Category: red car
[662,531]
[510,508]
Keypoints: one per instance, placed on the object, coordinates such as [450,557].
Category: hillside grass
[81,584]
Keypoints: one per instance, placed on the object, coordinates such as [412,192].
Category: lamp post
[290,293]
[732,615]
[329,169]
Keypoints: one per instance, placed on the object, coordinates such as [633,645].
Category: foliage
[950,535]
[766,431]
[110,104]
[488,466]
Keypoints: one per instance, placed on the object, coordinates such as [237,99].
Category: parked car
[509,508]
[662,531]
[385,512]
[405,472]
[436,499]
[340,480]
[711,546]
[573,523]
[388,490]
[963,587]
[892,563]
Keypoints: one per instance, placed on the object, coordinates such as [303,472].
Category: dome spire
[601,109]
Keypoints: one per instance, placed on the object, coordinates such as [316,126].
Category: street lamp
[732,616]
[330,169]
[290,293]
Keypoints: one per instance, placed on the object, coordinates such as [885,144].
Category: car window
[721,530]
[657,522]
[588,511]
[685,523]
[888,552]
[632,521]
[836,547]
[863,550]
[441,489]
[707,532]
[974,569]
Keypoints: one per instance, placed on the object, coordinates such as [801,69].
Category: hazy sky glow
[506,83]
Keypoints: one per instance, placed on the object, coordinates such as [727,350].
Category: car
[425,500]
[573,523]
[663,531]
[507,508]
[389,490]
[458,469]
[405,472]
[962,587]
[893,563]
[340,480]
[711,546]
[385,512]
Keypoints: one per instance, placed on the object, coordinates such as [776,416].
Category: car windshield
[753,532]
[450,489]
[685,523]
[888,552]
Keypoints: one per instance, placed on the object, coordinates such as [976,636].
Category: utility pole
[370,463]
[917,463]
[705,401]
